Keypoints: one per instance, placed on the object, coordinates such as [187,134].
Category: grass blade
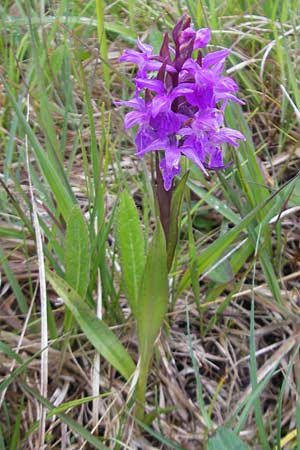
[60,188]
[253,369]
[200,399]
[220,206]
[13,282]
[15,438]
[216,249]
[100,5]
[169,444]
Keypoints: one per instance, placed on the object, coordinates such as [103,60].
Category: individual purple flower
[141,113]
[144,59]
[201,37]
[180,100]
[208,87]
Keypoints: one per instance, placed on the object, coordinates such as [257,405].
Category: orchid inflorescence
[180,100]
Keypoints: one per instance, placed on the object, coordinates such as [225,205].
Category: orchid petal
[133,118]
[168,173]
[227,135]
[202,38]
[214,57]
[145,48]
[191,154]
[153,85]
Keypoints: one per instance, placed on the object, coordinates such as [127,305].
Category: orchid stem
[164,200]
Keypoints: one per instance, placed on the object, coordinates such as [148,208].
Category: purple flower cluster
[180,100]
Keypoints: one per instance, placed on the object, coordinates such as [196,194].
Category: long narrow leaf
[96,331]
[13,282]
[131,248]
[153,294]
[77,252]
[176,206]
[219,206]
[152,306]
[215,250]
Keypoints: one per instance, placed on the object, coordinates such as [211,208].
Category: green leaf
[131,248]
[57,58]
[10,378]
[222,273]
[2,444]
[153,297]
[253,365]
[218,205]
[73,403]
[95,330]
[10,353]
[176,206]
[217,248]
[295,197]
[199,388]
[118,28]
[77,252]
[226,440]
[152,306]
[15,437]
[13,282]
[247,403]
[169,444]
[100,6]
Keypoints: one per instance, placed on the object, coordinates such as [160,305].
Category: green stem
[100,5]
[141,387]
[164,200]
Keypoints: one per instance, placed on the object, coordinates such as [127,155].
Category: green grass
[224,363]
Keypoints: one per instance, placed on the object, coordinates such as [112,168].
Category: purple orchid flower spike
[180,111]
[180,100]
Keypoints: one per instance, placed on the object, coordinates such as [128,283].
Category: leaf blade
[153,292]
[96,331]
[176,206]
[77,252]
[152,306]
[226,440]
[217,248]
[131,248]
